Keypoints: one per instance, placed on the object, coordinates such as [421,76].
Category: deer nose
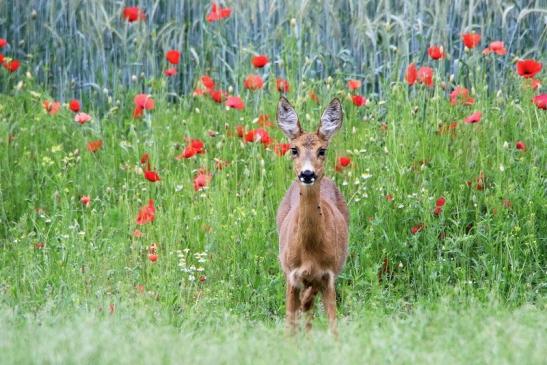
[307,176]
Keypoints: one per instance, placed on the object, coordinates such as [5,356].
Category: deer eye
[322,152]
[294,151]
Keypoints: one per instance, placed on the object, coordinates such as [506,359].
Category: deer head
[308,150]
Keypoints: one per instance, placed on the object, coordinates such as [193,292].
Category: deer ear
[331,120]
[287,119]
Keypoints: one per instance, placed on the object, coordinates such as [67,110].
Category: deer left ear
[331,120]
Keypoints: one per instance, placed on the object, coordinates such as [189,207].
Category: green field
[81,282]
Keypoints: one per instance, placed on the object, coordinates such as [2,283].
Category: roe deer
[312,219]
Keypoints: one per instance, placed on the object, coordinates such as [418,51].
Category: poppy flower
[3,42]
[473,118]
[82,118]
[282,85]
[496,47]
[170,72]
[198,145]
[188,152]
[235,102]
[52,107]
[471,40]
[218,96]
[354,84]
[172,56]
[461,94]
[520,146]
[218,13]
[281,148]
[208,82]
[74,105]
[151,176]
[425,76]
[144,101]
[85,200]
[147,213]
[253,82]
[258,135]
[313,96]
[541,101]
[240,131]
[201,180]
[411,74]
[358,100]
[1,58]
[11,65]
[417,228]
[440,202]
[264,121]
[133,14]
[342,163]
[528,68]
[259,61]
[94,146]
[435,52]
[153,252]
[145,158]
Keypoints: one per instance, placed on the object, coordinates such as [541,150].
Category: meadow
[142,168]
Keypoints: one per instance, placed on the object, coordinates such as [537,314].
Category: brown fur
[312,223]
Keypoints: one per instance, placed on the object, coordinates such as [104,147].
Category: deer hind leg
[293,306]
[329,301]
[307,301]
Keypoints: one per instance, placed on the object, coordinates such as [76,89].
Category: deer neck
[310,216]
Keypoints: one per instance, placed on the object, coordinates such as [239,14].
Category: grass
[76,282]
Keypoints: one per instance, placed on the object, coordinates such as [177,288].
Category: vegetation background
[76,282]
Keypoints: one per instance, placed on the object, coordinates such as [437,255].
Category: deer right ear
[287,119]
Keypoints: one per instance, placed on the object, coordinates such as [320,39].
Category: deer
[312,219]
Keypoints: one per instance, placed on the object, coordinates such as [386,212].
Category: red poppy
[198,145]
[528,68]
[461,94]
[235,102]
[359,100]
[258,135]
[147,213]
[520,146]
[85,200]
[153,252]
[153,257]
[264,121]
[145,158]
[170,72]
[281,148]
[208,82]
[201,180]
[240,131]
[313,96]
[144,101]
[541,101]
[282,85]
[74,105]
[259,61]
[1,58]
[435,52]
[133,14]
[11,65]
[52,107]
[94,146]
[172,56]
[425,76]
[473,118]
[82,118]
[253,82]
[188,152]
[218,13]
[417,228]
[218,96]
[151,176]
[496,47]
[3,42]
[440,202]
[138,112]
[354,84]
[342,163]
[437,211]
[411,74]
[471,40]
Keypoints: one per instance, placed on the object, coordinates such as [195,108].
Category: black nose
[307,177]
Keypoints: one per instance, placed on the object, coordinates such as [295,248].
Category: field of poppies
[142,168]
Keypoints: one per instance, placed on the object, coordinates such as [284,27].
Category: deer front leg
[293,305]
[329,301]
